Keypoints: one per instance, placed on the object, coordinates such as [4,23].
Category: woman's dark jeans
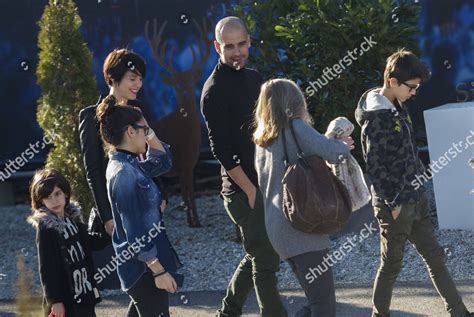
[147,299]
[319,290]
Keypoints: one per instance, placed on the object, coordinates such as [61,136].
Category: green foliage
[299,39]
[67,81]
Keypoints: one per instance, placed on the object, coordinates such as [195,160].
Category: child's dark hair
[119,61]
[42,185]
[404,65]
[114,120]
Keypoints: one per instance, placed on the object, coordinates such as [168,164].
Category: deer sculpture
[181,128]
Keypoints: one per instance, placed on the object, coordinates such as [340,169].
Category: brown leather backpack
[314,200]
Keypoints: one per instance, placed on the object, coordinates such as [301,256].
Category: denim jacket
[139,233]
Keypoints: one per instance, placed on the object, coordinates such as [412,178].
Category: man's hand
[58,310]
[396,212]
[251,196]
[241,179]
[109,226]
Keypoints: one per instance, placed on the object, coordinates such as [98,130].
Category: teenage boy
[392,163]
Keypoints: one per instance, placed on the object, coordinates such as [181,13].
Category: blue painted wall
[447,43]
[107,24]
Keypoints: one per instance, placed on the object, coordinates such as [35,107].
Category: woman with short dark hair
[124,72]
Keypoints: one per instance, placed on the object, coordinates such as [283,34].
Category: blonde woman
[281,103]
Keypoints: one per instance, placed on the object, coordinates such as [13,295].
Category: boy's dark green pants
[413,224]
[258,267]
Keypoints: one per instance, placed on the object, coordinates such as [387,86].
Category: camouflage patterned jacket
[389,149]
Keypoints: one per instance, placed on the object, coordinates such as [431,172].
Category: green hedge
[299,39]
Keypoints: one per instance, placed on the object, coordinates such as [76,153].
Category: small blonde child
[64,257]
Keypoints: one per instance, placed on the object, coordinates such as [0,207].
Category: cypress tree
[65,75]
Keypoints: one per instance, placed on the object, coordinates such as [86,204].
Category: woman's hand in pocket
[109,226]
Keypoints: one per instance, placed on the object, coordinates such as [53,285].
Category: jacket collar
[44,217]
[226,69]
[134,103]
[101,96]
[123,156]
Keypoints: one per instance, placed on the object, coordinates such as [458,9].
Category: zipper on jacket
[415,160]
[403,187]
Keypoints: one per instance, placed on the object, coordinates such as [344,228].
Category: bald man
[227,103]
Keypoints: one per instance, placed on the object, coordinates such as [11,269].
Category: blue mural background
[446,41]
[107,24]
[447,45]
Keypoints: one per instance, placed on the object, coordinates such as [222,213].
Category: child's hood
[47,219]
[370,103]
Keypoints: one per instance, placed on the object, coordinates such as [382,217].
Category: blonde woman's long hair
[279,101]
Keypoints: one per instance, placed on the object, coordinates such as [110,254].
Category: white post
[450,131]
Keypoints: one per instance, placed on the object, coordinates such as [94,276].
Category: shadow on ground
[410,299]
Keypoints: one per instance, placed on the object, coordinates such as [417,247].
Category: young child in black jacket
[64,257]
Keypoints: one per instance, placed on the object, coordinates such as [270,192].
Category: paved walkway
[410,300]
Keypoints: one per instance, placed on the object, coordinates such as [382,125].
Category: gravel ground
[210,254]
